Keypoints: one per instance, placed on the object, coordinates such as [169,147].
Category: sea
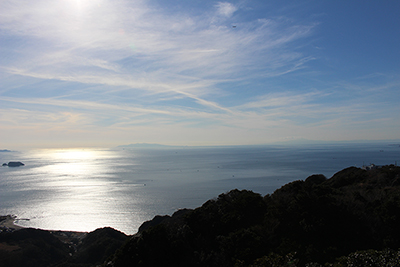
[86,189]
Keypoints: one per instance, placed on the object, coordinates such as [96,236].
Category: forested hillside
[34,247]
[311,222]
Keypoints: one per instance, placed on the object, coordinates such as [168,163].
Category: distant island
[14,164]
[350,219]
[5,150]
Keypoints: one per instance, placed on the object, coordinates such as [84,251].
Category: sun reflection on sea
[79,189]
[78,154]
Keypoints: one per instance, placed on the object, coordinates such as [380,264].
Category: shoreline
[7,222]
[7,225]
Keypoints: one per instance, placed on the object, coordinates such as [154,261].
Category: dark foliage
[175,219]
[31,247]
[34,247]
[96,247]
[317,220]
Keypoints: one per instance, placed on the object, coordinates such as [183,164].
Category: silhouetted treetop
[317,220]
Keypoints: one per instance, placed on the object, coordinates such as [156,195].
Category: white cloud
[153,68]
[137,39]
[226,9]
[160,57]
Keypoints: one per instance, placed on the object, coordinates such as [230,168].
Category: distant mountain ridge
[294,142]
[146,145]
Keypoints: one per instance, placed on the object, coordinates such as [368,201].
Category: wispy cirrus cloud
[106,39]
[124,64]
[125,47]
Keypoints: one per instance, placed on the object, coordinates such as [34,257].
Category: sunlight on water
[85,189]
[73,189]
[75,154]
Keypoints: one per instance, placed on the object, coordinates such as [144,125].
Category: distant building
[370,167]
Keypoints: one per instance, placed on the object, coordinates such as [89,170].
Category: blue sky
[102,73]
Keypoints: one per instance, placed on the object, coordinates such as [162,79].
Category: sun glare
[81,5]
[75,154]
[78,4]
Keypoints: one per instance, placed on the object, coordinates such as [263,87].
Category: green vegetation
[31,247]
[34,247]
[96,247]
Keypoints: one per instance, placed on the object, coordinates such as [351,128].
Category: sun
[78,4]
[84,5]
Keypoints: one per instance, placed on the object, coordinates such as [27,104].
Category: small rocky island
[14,164]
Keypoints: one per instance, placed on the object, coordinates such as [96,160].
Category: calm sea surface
[85,189]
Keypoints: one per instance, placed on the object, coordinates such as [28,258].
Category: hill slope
[317,220]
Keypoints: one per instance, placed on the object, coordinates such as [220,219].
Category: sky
[100,73]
